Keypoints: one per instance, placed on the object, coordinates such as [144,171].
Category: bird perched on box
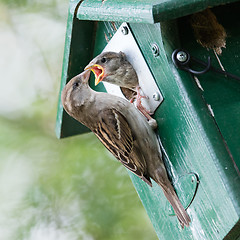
[114,68]
[124,131]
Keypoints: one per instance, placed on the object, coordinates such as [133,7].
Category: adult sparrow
[124,131]
[114,68]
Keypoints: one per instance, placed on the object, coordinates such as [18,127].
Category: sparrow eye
[103,60]
[75,85]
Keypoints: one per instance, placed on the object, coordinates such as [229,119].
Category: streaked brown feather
[114,132]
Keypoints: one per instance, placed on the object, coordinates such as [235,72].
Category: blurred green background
[49,188]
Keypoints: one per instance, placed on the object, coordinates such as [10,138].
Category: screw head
[124,30]
[193,179]
[155,50]
[156,96]
[182,56]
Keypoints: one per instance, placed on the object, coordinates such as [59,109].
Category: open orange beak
[98,72]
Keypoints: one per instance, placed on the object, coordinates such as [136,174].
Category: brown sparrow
[114,68]
[124,131]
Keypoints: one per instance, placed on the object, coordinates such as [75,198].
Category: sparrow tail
[178,208]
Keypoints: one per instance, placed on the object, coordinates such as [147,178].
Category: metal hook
[181,59]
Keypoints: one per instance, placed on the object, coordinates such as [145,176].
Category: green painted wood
[65,125]
[79,45]
[142,11]
[223,94]
[193,143]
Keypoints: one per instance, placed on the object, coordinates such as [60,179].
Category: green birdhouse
[187,57]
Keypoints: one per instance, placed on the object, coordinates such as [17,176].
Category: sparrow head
[73,93]
[106,64]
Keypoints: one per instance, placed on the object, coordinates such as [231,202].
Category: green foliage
[73,185]
[31,3]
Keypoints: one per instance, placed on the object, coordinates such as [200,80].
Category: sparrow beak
[85,75]
[98,72]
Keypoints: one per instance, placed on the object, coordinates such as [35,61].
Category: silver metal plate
[124,41]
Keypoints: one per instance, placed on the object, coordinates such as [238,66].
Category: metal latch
[183,60]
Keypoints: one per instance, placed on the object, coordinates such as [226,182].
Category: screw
[182,56]
[193,179]
[156,96]
[155,50]
[124,30]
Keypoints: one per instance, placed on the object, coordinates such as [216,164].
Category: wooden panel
[221,93]
[193,143]
[142,11]
[79,45]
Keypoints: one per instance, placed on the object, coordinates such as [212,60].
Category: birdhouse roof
[142,11]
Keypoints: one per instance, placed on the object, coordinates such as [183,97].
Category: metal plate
[124,41]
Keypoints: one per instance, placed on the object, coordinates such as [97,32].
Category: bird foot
[152,122]
[132,99]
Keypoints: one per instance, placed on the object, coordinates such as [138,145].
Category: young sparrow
[114,68]
[124,131]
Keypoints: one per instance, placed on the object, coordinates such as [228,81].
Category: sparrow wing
[114,132]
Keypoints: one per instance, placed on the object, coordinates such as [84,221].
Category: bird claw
[143,110]
[152,122]
[138,98]
[132,99]
[141,96]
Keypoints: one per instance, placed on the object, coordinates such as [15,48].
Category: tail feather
[178,208]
